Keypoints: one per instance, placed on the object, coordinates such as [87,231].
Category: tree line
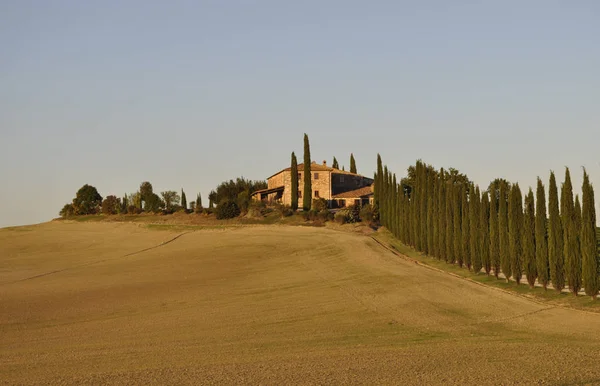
[88,201]
[497,230]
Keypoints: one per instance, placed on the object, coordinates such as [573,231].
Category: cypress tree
[436,216]
[423,206]
[384,197]
[503,230]
[335,164]
[457,223]
[430,211]
[589,240]
[378,181]
[494,239]
[450,258]
[183,200]
[555,237]
[465,229]
[474,229]
[199,202]
[417,206]
[484,233]
[567,218]
[515,232]
[124,204]
[295,181]
[541,236]
[393,194]
[352,164]
[574,262]
[307,194]
[442,222]
[529,255]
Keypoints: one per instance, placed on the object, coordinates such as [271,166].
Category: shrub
[319,204]
[132,209]
[325,215]
[348,215]
[367,214]
[243,201]
[227,209]
[341,216]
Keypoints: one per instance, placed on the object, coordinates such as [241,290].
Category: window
[299,176]
[342,179]
[299,193]
[317,193]
[316,176]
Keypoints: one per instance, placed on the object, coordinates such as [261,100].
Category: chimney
[324,163]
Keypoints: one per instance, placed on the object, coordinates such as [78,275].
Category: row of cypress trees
[445,215]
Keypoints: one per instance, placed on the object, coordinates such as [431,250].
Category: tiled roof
[366,191]
[315,167]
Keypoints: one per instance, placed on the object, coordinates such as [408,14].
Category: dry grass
[90,303]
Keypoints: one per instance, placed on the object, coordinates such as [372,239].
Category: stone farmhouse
[339,188]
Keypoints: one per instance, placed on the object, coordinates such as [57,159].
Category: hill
[89,302]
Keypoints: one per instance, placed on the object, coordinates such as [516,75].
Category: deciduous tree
[87,200]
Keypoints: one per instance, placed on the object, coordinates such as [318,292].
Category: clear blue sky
[186,94]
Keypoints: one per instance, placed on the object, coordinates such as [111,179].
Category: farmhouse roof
[315,167]
[361,192]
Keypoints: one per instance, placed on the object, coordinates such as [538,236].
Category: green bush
[367,214]
[227,209]
[350,214]
[319,204]
[325,215]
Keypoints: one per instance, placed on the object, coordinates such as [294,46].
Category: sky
[186,94]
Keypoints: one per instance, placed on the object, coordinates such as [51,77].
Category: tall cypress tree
[474,228]
[307,194]
[436,217]
[529,255]
[430,211]
[465,229]
[484,233]
[567,218]
[503,230]
[335,164]
[442,222]
[515,232]
[295,181]
[541,236]
[198,202]
[378,182]
[352,164]
[494,239]
[555,237]
[423,206]
[183,200]
[457,223]
[573,264]
[589,241]
[450,258]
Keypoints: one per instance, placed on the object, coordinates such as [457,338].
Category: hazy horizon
[186,95]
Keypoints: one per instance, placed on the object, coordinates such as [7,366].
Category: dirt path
[268,305]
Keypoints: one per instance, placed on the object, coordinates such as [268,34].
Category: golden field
[121,303]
